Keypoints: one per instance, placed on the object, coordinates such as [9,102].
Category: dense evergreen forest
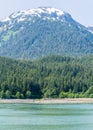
[49,77]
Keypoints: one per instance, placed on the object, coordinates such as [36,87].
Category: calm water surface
[46,117]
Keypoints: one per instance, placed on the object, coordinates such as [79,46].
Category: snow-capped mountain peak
[38,11]
[52,10]
[45,12]
[39,32]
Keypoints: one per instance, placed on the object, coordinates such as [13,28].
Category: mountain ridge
[39,32]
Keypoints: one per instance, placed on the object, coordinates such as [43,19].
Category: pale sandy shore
[47,101]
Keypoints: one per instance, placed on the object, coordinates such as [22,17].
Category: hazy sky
[81,10]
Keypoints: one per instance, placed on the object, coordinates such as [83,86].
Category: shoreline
[47,101]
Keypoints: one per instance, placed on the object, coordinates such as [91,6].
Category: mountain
[34,33]
[90,29]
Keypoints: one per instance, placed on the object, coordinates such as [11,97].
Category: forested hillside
[50,77]
[32,34]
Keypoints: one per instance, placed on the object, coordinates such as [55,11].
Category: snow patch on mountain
[53,10]
[21,19]
[5,20]
[90,29]
[46,13]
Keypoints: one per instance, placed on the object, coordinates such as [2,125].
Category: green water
[46,117]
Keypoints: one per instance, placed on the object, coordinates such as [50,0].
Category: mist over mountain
[34,33]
